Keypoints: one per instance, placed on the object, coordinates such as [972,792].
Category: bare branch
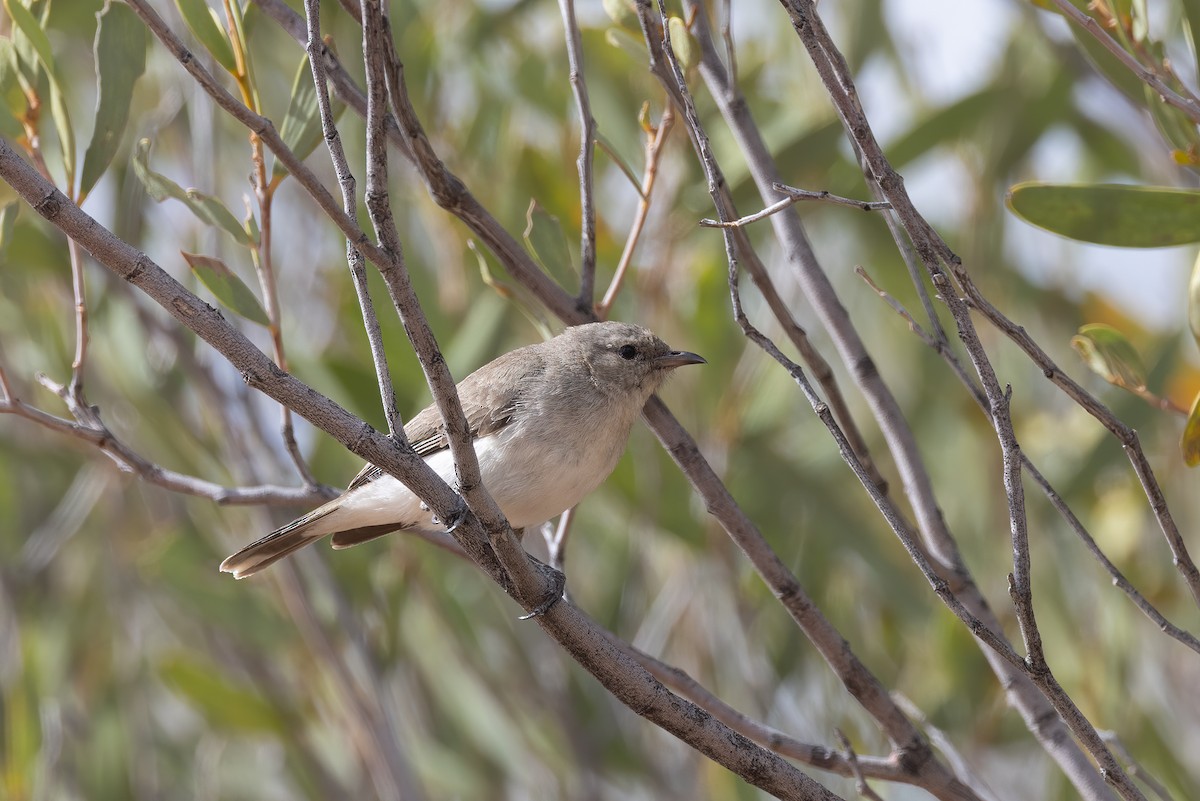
[860,781]
[587,152]
[654,149]
[795,195]
[95,433]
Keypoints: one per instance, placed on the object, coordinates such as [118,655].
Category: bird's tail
[281,542]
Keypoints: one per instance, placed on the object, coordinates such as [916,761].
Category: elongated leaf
[24,20]
[226,287]
[1191,11]
[1110,355]
[207,208]
[223,704]
[1189,443]
[621,12]
[120,60]
[545,238]
[200,21]
[12,99]
[624,40]
[301,129]
[608,147]
[1111,214]
[686,48]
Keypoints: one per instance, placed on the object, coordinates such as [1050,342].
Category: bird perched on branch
[548,422]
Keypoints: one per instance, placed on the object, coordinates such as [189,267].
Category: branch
[795,195]
[587,151]
[94,432]
[834,73]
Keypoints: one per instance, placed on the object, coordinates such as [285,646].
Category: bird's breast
[541,465]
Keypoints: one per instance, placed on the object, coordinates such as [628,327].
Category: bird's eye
[627,352]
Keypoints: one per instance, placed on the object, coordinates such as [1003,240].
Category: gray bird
[549,422]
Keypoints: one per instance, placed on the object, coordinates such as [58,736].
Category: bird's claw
[558,581]
[456,521]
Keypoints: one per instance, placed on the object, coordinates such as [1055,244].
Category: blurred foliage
[131,668]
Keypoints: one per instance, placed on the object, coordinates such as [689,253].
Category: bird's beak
[678,358]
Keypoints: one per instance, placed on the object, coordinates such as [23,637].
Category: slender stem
[587,151]
[81,322]
[1188,105]
[354,257]
[654,149]
[795,195]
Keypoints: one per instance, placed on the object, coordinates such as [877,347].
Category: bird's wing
[489,402]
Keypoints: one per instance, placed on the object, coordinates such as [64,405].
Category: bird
[548,422]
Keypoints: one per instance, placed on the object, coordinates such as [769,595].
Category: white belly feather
[532,478]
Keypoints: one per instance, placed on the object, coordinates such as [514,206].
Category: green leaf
[1111,214]
[545,238]
[202,22]
[120,60]
[212,210]
[622,12]
[947,124]
[1189,443]
[226,287]
[1110,355]
[608,147]
[301,130]
[1191,12]
[222,703]
[687,50]
[12,99]
[515,293]
[24,20]
[207,208]
[624,40]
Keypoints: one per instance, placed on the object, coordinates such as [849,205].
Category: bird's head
[627,359]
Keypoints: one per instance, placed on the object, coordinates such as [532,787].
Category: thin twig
[1135,768]
[860,781]
[654,149]
[1188,106]
[794,196]
[354,258]
[81,323]
[587,152]
[98,435]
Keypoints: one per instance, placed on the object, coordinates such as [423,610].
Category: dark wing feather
[490,397]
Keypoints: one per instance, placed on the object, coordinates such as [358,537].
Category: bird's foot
[459,516]
[558,584]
